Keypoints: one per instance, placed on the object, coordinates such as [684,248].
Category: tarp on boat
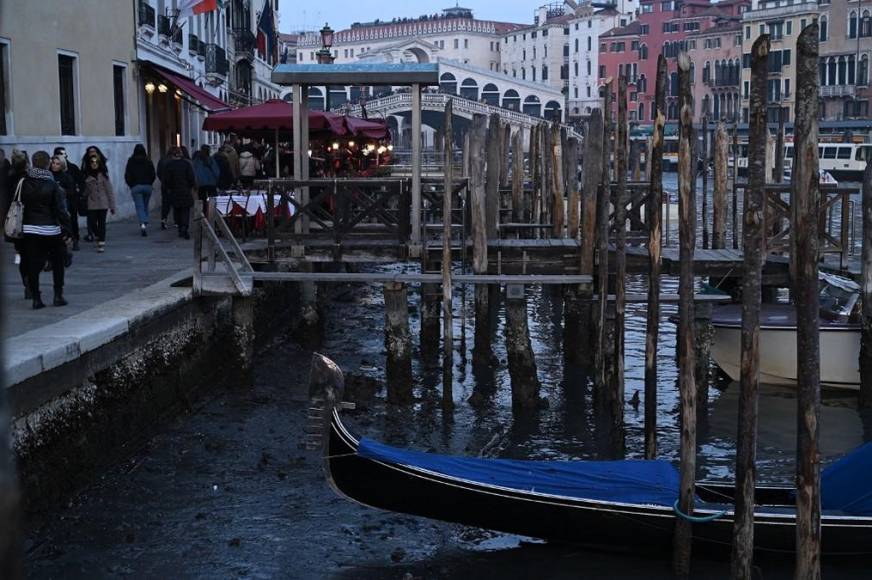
[631,481]
[846,484]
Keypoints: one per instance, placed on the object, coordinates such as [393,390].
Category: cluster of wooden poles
[592,326]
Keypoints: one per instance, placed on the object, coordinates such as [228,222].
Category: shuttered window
[67,86]
[118,74]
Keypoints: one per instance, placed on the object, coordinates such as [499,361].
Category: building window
[788,27]
[4,101]
[588,91]
[67,89]
[824,30]
[866,24]
[852,25]
[588,67]
[746,88]
[465,43]
[456,43]
[602,71]
[119,75]
[747,33]
[544,73]
[589,42]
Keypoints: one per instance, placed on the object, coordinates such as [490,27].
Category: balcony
[147,18]
[244,43]
[216,64]
[837,90]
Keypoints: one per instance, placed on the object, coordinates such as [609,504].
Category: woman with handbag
[100,196]
[45,223]
[19,165]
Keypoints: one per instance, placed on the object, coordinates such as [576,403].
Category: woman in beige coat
[100,196]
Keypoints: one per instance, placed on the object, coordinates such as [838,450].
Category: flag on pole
[188,8]
[266,32]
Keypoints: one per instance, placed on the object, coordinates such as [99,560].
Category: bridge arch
[316,99]
[490,94]
[448,83]
[419,54]
[553,111]
[533,106]
[469,89]
[511,100]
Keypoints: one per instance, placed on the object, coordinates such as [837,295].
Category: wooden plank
[374,277]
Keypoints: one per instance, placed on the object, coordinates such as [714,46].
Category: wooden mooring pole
[592,167]
[398,343]
[806,209]
[429,337]
[616,389]
[705,160]
[478,211]
[655,216]
[517,178]
[570,176]
[687,356]
[602,243]
[447,296]
[719,193]
[530,214]
[519,351]
[866,338]
[735,212]
[779,149]
[752,242]
[558,183]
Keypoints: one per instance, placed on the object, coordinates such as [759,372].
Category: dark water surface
[228,491]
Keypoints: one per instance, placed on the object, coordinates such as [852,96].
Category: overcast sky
[312,14]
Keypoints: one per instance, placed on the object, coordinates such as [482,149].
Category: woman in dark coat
[46,223]
[178,176]
[139,176]
[17,171]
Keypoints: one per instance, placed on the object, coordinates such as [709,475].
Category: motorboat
[839,337]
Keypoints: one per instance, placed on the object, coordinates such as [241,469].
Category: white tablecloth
[251,203]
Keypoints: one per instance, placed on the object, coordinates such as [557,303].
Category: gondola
[612,504]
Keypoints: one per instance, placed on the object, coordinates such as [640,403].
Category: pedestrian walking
[249,166]
[139,175]
[101,198]
[225,173]
[83,209]
[45,223]
[18,166]
[206,172]
[76,202]
[70,190]
[180,182]
[166,204]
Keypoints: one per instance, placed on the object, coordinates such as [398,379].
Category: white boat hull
[840,355]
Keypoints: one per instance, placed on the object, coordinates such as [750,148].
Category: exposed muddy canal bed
[229,491]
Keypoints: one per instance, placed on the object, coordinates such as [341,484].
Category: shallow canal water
[227,491]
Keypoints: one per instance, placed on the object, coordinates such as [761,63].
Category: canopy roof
[276,115]
[206,100]
[402,74]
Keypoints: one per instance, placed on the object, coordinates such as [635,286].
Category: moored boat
[616,504]
[839,338]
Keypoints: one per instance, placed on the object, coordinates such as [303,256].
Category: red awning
[272,115]
[206,100]
[367,128]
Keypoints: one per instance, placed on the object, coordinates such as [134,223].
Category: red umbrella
[367,128]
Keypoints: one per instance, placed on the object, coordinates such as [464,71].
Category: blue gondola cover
[631,481]
[846,485]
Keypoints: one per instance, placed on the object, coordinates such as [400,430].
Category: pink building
[667,26]
[718,54]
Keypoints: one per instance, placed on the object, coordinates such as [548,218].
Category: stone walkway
[130,262]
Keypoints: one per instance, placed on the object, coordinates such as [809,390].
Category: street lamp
[325,57]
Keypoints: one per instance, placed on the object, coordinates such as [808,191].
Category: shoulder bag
[14,225]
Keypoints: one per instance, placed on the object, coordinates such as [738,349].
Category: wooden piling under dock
[398,343]
[866,338]
[447,287]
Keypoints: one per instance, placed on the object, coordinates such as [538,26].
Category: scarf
[36,173]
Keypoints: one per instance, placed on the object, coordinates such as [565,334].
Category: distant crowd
[55,193]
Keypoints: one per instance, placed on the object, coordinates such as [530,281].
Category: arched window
[448,83]
[841,68]
[824,27]
[469,89]
[552,111]
[863,71]
[706,105]
[316,99]
[672,111]
[852,25]
[490,94]
[866,24]
[532,106]
[822,69]
[643,52]
[851,69]
[707,72]
[717,108]
[641,111]
[831,71]
[511,100]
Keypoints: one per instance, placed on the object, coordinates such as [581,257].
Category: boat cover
[630,481]
[846,485]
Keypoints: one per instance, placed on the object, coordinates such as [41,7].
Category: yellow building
[67,79]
